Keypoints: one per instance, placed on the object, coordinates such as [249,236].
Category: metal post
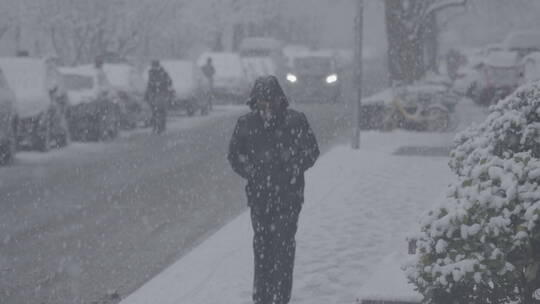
[359,20]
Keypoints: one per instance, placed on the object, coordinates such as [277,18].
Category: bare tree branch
[443,4]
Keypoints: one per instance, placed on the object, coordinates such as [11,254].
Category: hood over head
[267,88]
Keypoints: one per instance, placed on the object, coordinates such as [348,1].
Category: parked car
[8,122]
[188,84]
[262,56]
[313,76]
[41,102]
[291,51]
[92,112]
[499,75]
[523,42]
[466,78]
[128,84]
[531,67]
[230,82]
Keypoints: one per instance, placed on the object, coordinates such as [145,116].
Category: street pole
[358,28]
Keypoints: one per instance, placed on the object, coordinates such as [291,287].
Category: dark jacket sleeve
[237,151]
[308,149]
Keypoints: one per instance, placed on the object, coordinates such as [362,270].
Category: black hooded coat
[273,156]
[159,89]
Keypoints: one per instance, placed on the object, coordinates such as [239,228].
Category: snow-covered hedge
[482,243]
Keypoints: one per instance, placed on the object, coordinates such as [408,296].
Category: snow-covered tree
[482,244]
[78,31]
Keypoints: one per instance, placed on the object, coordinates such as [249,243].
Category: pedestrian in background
[158,95]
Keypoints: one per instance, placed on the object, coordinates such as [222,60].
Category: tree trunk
[218,42]
[239,33]
[405,44]
[432,43]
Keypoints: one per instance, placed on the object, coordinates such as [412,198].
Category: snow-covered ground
[359,207]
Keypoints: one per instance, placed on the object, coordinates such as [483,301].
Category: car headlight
[291,78]
[331,79]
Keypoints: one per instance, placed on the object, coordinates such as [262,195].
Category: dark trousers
[159,119]
[274,247]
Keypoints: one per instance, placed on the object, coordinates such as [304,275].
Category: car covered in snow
[40,101]
[531,67]
[523,42]
[498,76]
[230,82]
[92,112]
[291,51]
[128,85]
[188,84]
[313,77]
[262,56]
[8,121]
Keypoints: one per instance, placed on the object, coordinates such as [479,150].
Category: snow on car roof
[320,53]
[384,97]
[292,49]
[502,59]
[182,73]
[118,74]
[79,90]
[27,77]
[124,76]
[522,40]
[83,70]
[535,56]
[258,66]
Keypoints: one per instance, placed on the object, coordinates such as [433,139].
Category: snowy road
[85,221]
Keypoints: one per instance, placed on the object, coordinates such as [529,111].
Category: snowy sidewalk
[359,205]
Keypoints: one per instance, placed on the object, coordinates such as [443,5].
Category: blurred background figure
[208,71]
[158,95]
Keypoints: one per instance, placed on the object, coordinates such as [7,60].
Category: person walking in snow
[158,94]
[208,71]
[271,147]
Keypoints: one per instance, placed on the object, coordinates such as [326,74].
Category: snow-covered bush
[482,243]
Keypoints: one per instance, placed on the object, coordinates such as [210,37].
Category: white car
[230,82]
[40,102]
[531,67]
[499,76]
[313,76]
[92,113]
[188,83]
[262,56]
[522,42]
[128,85]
